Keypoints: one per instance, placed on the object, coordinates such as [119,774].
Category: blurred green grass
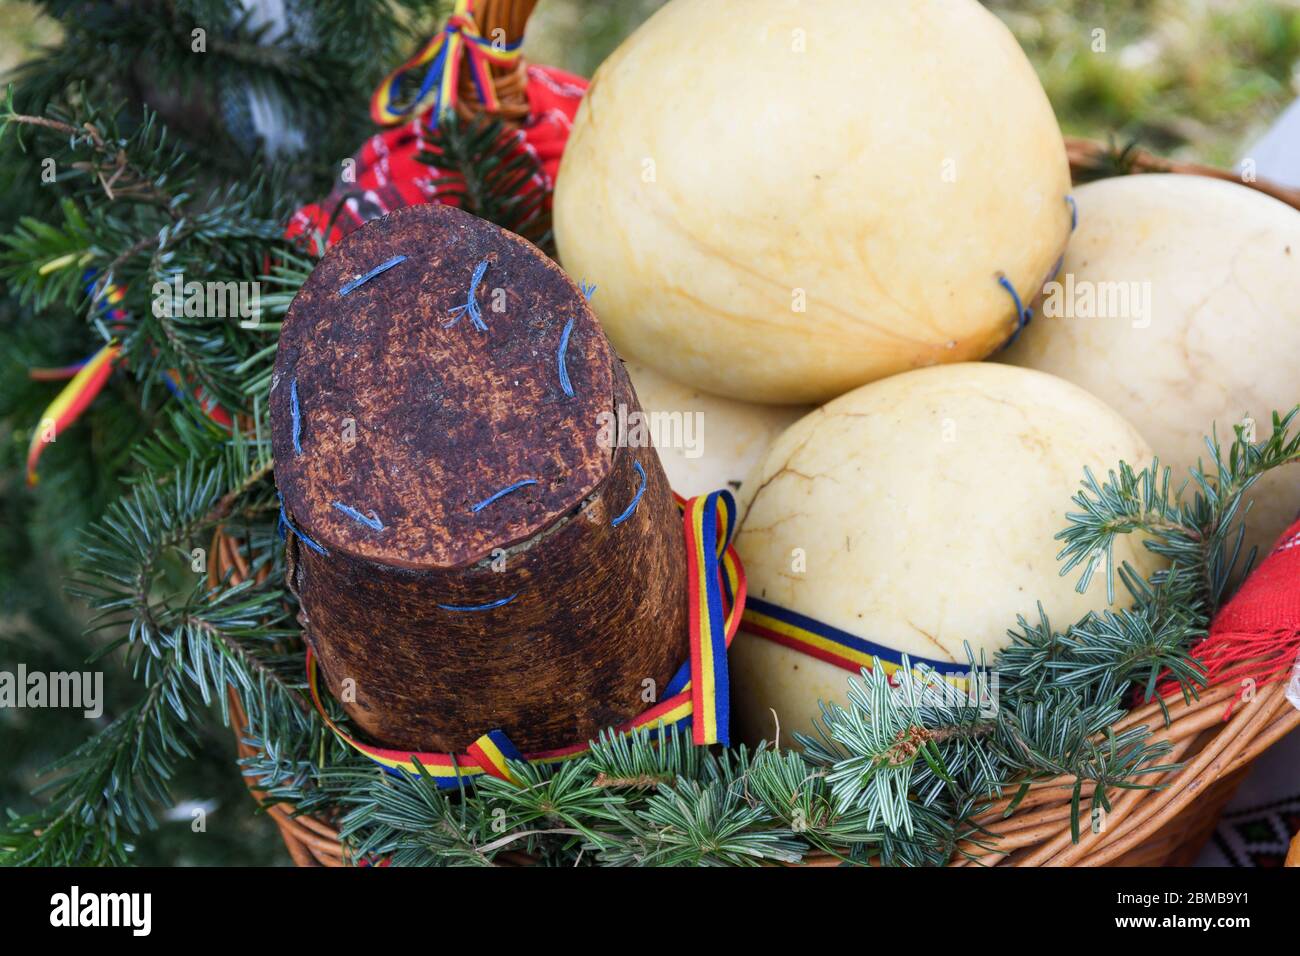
[1194,79]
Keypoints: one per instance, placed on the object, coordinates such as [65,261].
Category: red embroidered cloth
[388,175]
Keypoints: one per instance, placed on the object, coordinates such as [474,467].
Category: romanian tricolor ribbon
[696,697]
[88,377]
[59,374]
[71,402]
[710,688]
[175,385]
[830,644]
[440,59]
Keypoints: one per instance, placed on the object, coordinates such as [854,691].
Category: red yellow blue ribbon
[830,644]
[88,378]
[697,696]
[459,41]
[60,374]
[493,752]
[75,397]
[710,688]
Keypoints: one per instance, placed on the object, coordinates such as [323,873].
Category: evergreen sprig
[135,217]
[324,59]
[187,643]
[482,167]
[1203,531]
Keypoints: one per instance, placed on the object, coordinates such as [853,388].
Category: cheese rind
[919,513]
[1179,303]
[781,201]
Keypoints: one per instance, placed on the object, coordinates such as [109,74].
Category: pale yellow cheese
[705,442]
[783,200]
[918,512]
[1179,304]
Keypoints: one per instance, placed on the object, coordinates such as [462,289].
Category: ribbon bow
[459,40]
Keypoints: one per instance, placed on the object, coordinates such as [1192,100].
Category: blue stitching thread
[479,607]
[370,521]
[284,518]
[587,290]
[295,413]
[471,305]
[362,280]
[1074,213]
[560,360]
[1023,315]
[636,500]
[502,493]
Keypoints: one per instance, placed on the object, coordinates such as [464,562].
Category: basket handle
[511,18]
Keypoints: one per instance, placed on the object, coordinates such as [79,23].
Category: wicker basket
[1165,827]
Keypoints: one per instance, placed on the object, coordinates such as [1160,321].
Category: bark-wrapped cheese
[783,200]
[912,516]
[468,551]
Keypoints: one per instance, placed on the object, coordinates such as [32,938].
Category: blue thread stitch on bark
[479,607]
[636,499]
[284,517]
[370,521]
[523,483]
[471,306]
[295,414]
[587,290]
[560,359]
[362,280]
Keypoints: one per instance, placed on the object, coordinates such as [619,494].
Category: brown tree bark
[441,605]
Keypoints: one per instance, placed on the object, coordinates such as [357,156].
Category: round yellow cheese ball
[918,513]
[781,201]
[705,442]
[1179,303]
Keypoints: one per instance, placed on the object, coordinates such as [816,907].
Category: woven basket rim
[1089,156]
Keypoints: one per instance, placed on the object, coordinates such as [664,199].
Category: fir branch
[187,644]
[481,166]
[704,824]
[108,786]
[1202,535]
[871,747]
[329,52]
[169,229]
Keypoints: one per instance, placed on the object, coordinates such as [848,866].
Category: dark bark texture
[410,418]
